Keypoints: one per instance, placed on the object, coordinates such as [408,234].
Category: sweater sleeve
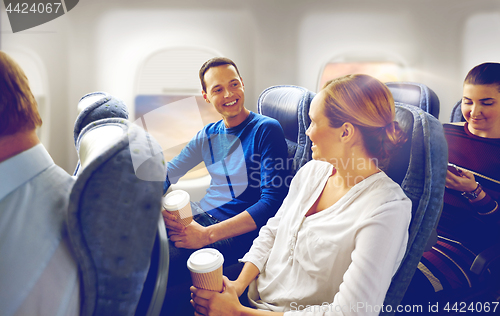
[274,172]
[189,157]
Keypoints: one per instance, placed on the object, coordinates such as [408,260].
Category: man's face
[226,91]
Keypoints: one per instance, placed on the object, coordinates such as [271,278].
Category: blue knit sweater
[248,165]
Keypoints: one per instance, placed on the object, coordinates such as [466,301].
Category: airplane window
[383,71]
[168,99]
[173,120]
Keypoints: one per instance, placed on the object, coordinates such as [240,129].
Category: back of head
[214,62]
[368,104]
[484,74]
[18,108]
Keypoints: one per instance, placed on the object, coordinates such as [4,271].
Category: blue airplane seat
[114,220]
[419,166]
[456,113]
[96,106]
[155,286]
[289,105]
[100,105]
[415,94]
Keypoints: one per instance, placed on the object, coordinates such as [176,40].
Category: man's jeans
[179,279]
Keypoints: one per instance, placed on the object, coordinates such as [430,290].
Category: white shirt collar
[16,170]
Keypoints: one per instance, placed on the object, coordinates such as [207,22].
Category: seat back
[96,106]
[155,286]
[420,168]
[456,113]
[415,94]
[114,220]
[289,105]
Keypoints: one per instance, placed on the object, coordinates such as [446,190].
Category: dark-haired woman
[469,222]
[342,231]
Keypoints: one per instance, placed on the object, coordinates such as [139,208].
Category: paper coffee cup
[177,203]
[205,266]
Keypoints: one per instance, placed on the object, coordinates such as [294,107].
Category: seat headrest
[113,214]
[415,94]
[284,103]
[95,106]
[98,140]
[456,113]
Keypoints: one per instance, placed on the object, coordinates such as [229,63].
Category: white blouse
[339,261]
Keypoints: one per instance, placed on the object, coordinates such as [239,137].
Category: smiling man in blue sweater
[246,156]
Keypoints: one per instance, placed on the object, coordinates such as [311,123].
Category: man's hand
[173,226]
[193,236]
[209,303]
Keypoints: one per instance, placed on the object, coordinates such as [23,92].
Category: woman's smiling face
[325,138]
[481,109]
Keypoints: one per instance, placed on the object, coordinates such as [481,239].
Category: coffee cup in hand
[178,203]
[205,266]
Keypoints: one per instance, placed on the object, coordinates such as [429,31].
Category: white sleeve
[379,248]
[262,245]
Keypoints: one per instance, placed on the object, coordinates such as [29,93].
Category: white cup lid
[205,260]
[175,200]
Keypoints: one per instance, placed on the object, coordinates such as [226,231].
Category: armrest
[162,274]
[155,286]
[485,258]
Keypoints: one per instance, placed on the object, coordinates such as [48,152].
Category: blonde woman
[341,232]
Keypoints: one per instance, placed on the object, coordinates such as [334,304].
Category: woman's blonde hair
[368,104]
[18,108]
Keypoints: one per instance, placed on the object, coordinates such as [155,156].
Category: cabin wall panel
[99,45]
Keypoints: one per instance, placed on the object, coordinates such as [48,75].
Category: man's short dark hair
[214,62]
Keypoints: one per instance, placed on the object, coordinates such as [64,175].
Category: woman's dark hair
[484,74]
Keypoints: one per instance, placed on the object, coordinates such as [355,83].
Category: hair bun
[395,137]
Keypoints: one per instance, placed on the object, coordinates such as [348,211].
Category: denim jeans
[179,279]
[232,248]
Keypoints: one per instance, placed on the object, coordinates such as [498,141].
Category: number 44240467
[35,8]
